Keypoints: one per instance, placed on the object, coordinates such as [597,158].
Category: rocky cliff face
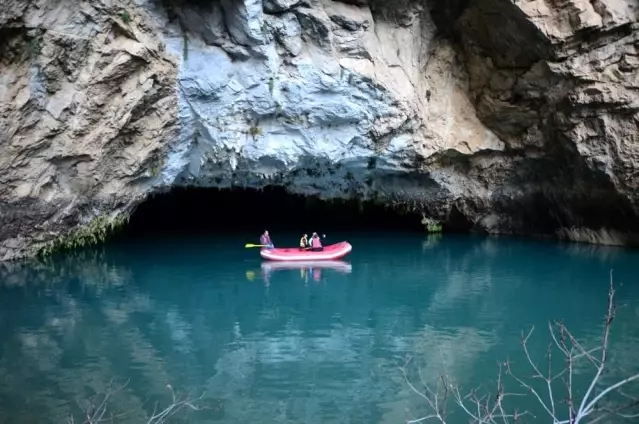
[507,116]
[87,110]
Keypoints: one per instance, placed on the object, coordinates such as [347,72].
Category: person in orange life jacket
[265,240]
[316,243]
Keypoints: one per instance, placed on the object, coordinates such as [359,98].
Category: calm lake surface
[293,346]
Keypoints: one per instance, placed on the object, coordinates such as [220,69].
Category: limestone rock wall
[557,81]
[87,103]
[322,96]
[506,116]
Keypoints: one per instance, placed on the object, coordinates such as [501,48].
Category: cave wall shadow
[208,211]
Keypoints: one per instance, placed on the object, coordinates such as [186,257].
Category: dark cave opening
[210,211]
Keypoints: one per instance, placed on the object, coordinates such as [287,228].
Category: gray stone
[245,21]
[207,21]
[277,6]
[315,24]
[235,51]
[349,17]
[288,32]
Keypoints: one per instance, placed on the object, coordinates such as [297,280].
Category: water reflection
[339,266]
[308,270]
[431,241]
[184,314]
[58,349]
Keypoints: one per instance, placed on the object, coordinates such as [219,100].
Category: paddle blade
[253,245]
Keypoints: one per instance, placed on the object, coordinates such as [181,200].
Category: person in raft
[304,245]
[316,243]
[265,240]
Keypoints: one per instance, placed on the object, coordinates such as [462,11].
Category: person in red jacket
[316,243]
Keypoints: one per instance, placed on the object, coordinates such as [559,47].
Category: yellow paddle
[254,245]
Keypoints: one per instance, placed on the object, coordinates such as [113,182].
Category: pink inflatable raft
[330,253]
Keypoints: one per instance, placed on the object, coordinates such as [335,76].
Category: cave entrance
[209,211]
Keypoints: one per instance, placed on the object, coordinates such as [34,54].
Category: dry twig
[97,411]
[490,409]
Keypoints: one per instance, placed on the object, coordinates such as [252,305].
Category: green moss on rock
[94,232]
[432,225]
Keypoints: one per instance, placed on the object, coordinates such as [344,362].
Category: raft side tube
[331,252]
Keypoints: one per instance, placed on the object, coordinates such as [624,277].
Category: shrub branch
[491,409]
[96,410]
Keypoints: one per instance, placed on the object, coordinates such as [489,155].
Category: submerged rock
[491,116]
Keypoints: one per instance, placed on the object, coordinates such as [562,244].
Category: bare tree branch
[489,409]
[432,398]
[98,412]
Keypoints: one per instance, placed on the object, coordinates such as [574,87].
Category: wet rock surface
[494,115]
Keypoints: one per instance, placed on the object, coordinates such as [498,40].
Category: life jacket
[303,242]
[316,242]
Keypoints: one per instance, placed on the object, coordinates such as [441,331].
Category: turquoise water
[289,346]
